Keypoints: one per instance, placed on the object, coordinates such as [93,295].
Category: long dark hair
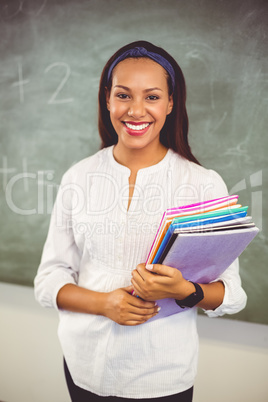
[174,133]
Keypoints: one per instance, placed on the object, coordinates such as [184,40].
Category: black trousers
[78,394]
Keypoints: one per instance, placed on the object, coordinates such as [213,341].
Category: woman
[105,217]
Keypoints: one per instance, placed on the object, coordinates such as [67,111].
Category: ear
[170,104]
[107,95]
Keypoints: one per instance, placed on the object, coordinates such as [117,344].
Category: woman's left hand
[168,283]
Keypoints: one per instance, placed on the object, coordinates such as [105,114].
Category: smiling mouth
[137,126]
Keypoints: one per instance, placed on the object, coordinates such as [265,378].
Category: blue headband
[142,52]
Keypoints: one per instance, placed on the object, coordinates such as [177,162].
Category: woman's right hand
[125,309]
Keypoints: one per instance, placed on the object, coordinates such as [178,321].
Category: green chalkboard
[51,56]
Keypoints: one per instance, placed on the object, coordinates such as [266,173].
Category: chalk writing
[20,83]
[53,99]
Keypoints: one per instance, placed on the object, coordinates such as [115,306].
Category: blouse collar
[146,170]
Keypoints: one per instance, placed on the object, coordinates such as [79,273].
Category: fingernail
[150,267]
[133,292]
[159,308]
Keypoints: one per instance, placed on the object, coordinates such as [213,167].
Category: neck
[136,159]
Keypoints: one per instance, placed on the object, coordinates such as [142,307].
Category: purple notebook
[202,257]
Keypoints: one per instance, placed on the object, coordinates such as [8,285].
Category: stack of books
[201,240]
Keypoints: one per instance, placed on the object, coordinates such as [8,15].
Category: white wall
[233,362]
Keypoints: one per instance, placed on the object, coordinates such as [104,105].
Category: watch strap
[193,299]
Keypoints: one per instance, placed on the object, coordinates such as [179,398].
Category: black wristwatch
[193,298]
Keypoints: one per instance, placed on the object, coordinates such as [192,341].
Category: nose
[136,109]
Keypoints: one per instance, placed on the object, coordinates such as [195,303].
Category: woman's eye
[122,96]
[153,97]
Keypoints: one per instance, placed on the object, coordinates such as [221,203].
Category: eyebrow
[146,90]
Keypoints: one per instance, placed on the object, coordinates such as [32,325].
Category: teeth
[137,128]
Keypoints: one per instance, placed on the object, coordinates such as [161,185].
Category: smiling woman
[105,219]
[139,103]
[174,133]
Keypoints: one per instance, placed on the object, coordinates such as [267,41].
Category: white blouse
[95,242]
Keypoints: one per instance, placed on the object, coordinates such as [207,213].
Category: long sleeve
[235,298]
[60,258]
